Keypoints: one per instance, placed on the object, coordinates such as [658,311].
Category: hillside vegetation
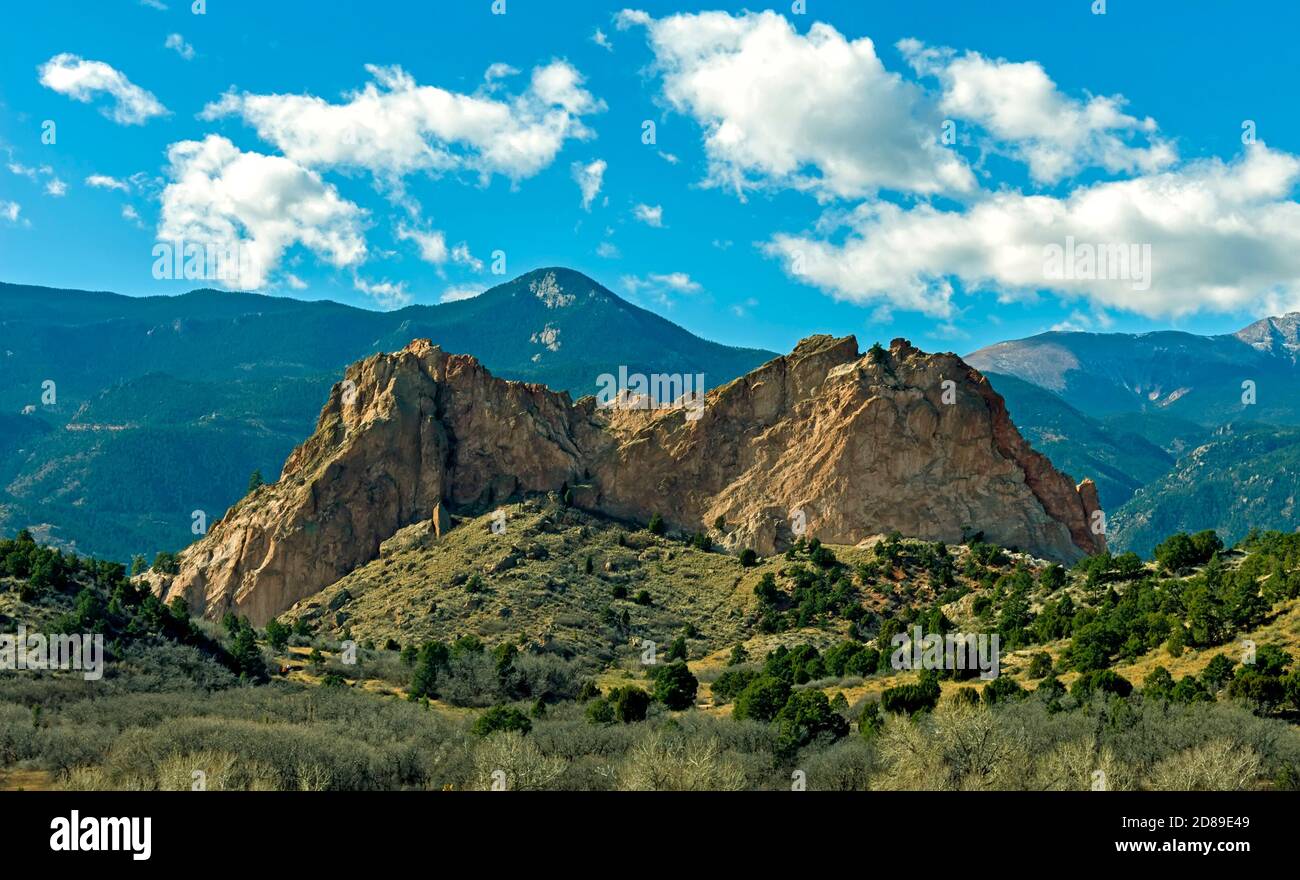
[763,673]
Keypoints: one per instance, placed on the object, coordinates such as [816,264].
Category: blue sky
[799,182]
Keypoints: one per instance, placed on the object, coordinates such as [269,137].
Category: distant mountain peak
[1275,335]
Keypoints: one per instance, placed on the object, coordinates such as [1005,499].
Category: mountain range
[1181,432]
[121,418]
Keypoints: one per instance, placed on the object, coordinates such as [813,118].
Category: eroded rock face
[823,442]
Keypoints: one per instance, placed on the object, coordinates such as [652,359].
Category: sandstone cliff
[823,442]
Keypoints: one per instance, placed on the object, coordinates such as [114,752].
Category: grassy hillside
[761,673]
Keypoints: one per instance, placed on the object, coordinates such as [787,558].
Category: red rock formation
[847,445]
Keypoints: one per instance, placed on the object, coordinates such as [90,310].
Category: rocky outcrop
[824,442]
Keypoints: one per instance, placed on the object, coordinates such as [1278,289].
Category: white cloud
[266,204]
[461,254]
[432,243]
[455,294]
[177,43]
[661,286]
[678,281]
[294,282]
[103,181]
[497,71]
[154,4]
[387,294]
[589,178]
[56,187]
[601,40]
[608,250]
[394,126]
[82,80]
[9,211]
[627,18]
[650,215]
[1020,106]
[1222,236]
[129,213]
[813,111]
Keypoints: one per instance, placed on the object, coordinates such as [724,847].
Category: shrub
[601,711]
[732,682]
[870,720]
[1002,688]
[629,703]
[806,716]
[1039,665]
[912,698]
[762,698]
[1159,684]
[1105,681]
[502,718]
[277,634]
[656,525]
[748,558]
[675,686]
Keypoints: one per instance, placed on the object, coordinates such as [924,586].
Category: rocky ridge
[824,442]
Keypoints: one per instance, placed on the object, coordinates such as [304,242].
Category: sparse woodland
[1119,672]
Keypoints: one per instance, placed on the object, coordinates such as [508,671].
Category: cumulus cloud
[56,187]
[1221,236]
[386,294]
[650,215]
[589,178]
[394,126]
[1020,106]
[103,181]
[601,40]
[813,111]
[661,286]
[177,44]
[217,193]
[83,80]
[461,254]
[9,211]
[431,243]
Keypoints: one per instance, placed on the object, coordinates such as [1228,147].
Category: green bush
[675,686]
[912,698]
[762,698]
[501,718]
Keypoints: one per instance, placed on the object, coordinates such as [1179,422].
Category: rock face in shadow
[823,442]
